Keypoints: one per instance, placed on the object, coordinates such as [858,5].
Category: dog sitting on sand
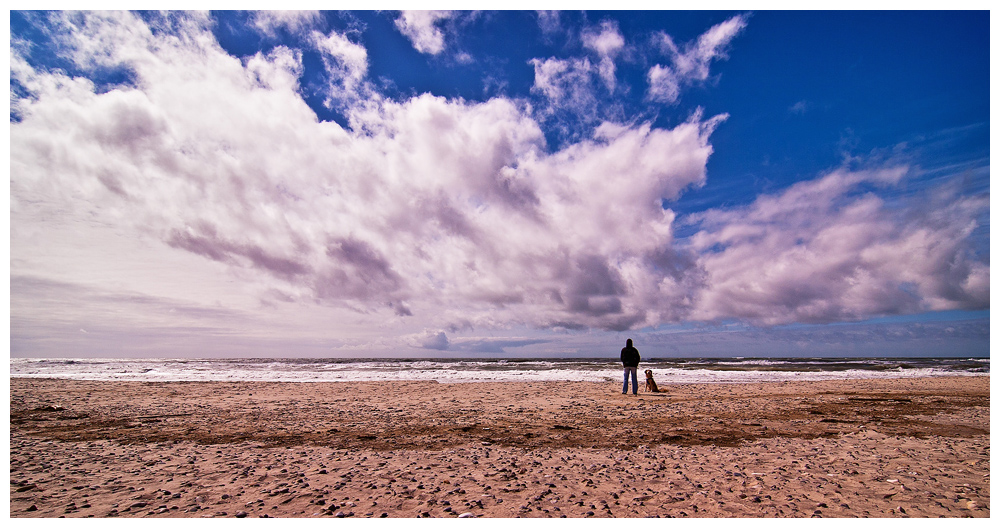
[650,384]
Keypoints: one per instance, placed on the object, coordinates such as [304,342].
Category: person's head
[628,342]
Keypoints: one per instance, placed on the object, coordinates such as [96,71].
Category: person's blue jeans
[635,380]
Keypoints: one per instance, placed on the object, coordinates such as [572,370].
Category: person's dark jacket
[630,357]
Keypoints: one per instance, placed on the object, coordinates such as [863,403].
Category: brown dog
[650,384]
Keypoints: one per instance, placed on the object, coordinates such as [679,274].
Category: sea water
[665,370]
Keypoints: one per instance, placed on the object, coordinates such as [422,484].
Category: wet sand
[859,448]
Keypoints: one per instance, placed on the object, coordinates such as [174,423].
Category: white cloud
[607,44]
[279,70]
[800,107]
[422,29]
[295,22]
[565,83]
[353,57]
[428,340]
[690,63]
[548,22]
[569,84]
[448,210]
[345,62]
[821,252]
[664,84]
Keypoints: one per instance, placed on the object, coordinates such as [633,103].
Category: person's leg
[625,383]
[635,380]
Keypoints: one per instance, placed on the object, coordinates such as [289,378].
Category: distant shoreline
[666,371]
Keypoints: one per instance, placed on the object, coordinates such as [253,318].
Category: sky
[499,184]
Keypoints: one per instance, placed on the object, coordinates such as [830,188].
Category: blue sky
[516,183]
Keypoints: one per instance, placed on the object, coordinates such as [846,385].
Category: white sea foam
[458,371]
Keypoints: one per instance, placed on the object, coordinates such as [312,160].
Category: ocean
[665,370]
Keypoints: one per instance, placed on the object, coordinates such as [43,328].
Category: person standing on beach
[630,360]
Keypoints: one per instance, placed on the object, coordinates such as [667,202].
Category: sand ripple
[861,448]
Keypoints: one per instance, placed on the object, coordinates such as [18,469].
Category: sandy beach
[858,448]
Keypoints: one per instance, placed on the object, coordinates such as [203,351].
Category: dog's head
[649,373]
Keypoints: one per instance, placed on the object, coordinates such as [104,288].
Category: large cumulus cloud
[448,209]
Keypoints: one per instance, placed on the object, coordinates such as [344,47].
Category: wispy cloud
[565,82]
[607,43]
[296,22]
[800,107]
[574,88]
[548,22]
[689,63]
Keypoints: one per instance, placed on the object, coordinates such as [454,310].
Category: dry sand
[870,448]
